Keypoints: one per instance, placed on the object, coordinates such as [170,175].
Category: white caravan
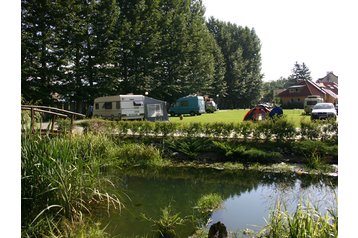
[310,102]
[122,107]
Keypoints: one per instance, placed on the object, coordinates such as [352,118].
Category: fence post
[32,120]
[53,122]
[71,126]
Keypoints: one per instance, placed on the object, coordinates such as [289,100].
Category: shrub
[191,147]
[283,129]
[138,155]
[311,130]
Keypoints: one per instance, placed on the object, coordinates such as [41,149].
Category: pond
[248,197]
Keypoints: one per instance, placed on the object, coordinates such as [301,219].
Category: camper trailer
[193,105]
[122,107]
[310,102]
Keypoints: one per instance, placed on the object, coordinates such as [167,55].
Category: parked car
[323,111]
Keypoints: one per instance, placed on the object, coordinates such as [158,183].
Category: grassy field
[228,116]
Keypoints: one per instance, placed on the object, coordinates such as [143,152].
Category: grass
[233,116]
[305,221]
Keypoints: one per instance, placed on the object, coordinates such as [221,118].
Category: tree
[241,50]
[300,72]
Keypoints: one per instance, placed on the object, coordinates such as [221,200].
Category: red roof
[306,88]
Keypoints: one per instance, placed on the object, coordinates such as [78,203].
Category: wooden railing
[54,112]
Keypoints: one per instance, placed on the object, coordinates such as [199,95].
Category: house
[294,96]
[329,78]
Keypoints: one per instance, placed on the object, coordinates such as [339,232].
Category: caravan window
[138,103]
[96,106]
[154,110]
[107,105]
[118,105]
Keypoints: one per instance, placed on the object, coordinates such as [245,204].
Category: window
[138,103]
[118,105]
[107,105]
[154,110]
[298,99]
[96,106]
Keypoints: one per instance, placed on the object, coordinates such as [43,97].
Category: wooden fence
[54,112]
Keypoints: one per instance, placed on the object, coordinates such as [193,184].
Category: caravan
[310,102]
[122,107]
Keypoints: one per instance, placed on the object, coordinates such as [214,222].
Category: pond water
[248,197]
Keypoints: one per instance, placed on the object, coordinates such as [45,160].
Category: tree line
[81,50]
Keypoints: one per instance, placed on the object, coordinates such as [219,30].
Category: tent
[257,113]
[276,111]
[155,110]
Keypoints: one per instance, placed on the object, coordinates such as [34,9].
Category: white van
[310,102]
[122,107]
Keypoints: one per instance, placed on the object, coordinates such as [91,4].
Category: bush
[283,129]
[137,155]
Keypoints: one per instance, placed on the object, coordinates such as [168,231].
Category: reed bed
[62,181]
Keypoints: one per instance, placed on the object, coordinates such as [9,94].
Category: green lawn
[228,116]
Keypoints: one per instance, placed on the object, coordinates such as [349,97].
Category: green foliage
[208,203]
[83,50]
[26,119]
[300,72]
[306,221]
[64,125]
[320,148]
[240,47]
[167,223]
[190,147]
[310,130]
[61,178]
[205,206]
[131,155]
[241,153]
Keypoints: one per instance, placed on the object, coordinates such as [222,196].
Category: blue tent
[276,111]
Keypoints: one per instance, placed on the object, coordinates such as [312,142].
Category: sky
[306,31]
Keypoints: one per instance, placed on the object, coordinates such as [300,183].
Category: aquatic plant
[305,221]
[167,223]
[204,207]
[61,179]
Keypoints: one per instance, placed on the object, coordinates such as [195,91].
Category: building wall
[296,102]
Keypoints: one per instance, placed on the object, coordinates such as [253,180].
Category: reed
[305,221]
[61,179]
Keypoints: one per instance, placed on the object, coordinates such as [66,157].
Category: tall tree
[300,72]
[241,50]
[38,60]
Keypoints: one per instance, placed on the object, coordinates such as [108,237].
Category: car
[323,111]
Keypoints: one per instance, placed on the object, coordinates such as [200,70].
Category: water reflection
[248,196]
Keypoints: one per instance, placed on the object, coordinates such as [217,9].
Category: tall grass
[305,221]
[61,179]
